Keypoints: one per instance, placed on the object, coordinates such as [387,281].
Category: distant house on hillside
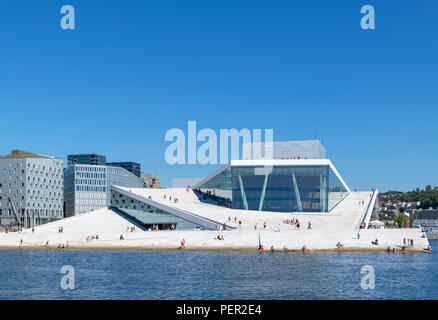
[427,219]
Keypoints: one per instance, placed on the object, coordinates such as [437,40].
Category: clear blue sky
[134,69]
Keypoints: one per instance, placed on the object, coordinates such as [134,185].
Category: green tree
[401,220]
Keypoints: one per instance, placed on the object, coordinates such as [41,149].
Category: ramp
[183,214]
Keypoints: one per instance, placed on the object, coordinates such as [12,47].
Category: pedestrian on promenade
[264,225]
[309,227]
[358,234]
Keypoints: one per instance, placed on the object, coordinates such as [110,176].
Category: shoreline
[203,248]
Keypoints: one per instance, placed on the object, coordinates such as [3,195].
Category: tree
[401,220]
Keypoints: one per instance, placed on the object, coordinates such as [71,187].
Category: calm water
[216,275]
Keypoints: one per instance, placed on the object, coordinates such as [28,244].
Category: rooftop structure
[306,149]
[86,158]
[22,154]
[132,167]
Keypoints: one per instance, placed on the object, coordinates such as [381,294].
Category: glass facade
[277,188]
[88,187]
[219,188]
[94,159]
[132,167]
[147,215]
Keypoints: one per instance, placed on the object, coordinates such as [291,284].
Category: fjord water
[217,275]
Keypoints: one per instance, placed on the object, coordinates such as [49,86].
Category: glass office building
[86,158]
[279,185]
[132,167]
[88,187]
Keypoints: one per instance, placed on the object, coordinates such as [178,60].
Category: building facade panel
[276,188]
[88,187]
[33,187]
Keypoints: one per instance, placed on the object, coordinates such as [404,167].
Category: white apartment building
[31,188]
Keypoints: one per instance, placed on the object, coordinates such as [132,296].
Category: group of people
[175,200]
[62,246]
[90,238]
[296,223]
[256,225]
[6,228]
[229,219]
[61,229]
[132,229]
[219,237]
[339,245]
[304,248]
[375,242]
[410,242]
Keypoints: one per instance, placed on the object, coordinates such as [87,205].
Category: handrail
[370,207]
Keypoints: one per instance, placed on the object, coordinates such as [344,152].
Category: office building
[87,187]
[86,158]
[31,188]
[132,167]
[150,180]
